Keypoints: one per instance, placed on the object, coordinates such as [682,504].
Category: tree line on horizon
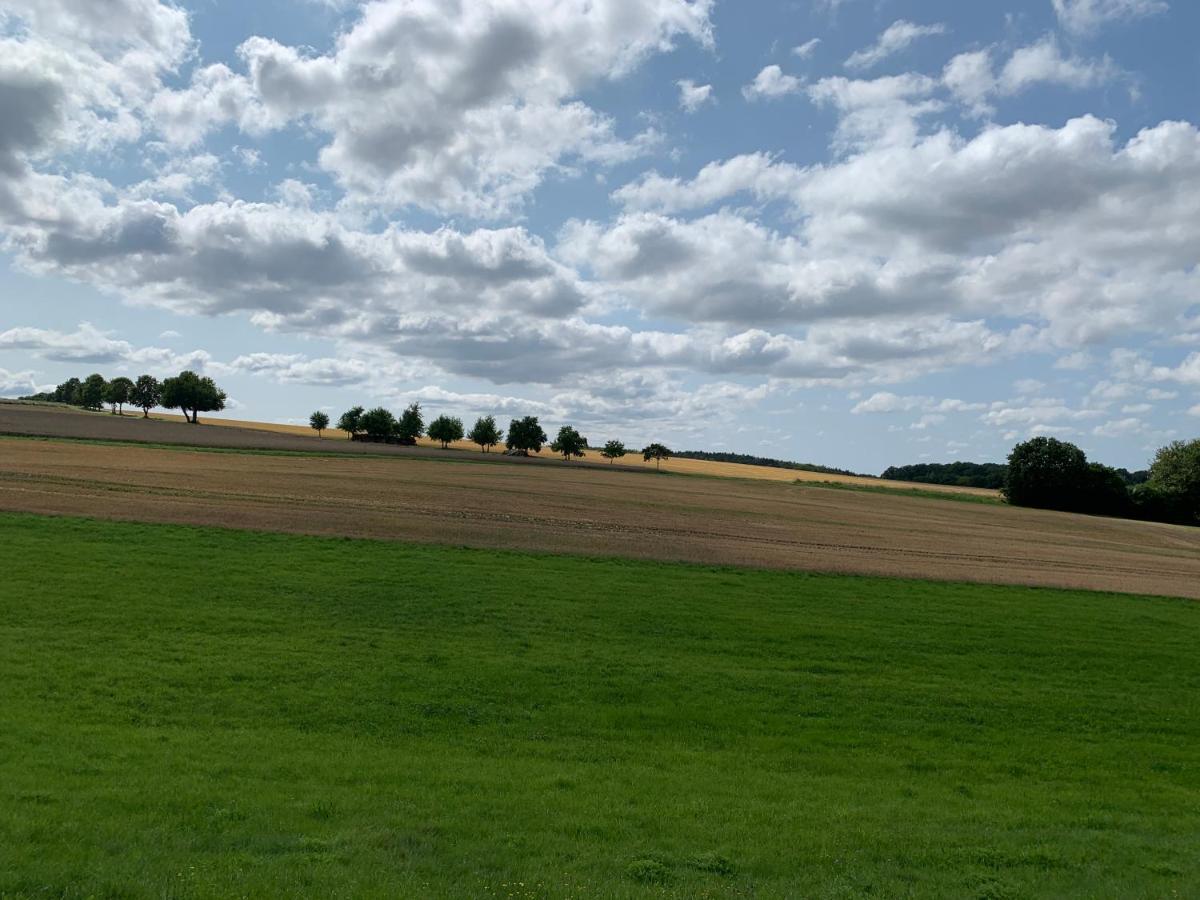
[187,392]
[1042,472]
[524,435]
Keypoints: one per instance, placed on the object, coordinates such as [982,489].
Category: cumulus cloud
[460,109]
[13,384]
[771,83]
[89,345]
[974,80]
[898,36]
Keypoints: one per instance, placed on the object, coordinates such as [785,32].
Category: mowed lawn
[194,712]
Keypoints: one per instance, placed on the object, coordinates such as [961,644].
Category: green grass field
[194,712]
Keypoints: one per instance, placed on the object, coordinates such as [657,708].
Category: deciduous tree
[485,433]
[92,391]
[146,394]
[446,429]
[318,421]
[118,392]
[613,450]
[569,442]
[656,452]
[411,424]
[1047,473]
[1175,473]
[379,424]
[351,421]
[525,435]
[187,391]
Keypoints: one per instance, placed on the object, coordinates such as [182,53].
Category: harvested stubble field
[598,512]
[166,428]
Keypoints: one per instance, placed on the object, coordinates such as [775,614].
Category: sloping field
[595,511]
[205,713]
[240,434]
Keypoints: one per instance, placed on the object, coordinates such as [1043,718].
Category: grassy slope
[193,712]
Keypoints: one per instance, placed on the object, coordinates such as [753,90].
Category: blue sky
[856,232]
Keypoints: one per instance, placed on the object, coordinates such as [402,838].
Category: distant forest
[977,475]
[747,459]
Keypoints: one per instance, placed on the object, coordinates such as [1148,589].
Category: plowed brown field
[595,510]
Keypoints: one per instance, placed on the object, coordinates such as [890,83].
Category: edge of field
[676,466]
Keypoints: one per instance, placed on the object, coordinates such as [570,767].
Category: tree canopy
[189,393]
[569,442]
[318,421]
[525,435]
[92,391]
[1047,473]
[1176,472]
[118,392]
[485,433]
[379,424]
[656,452]
[146,394]
[613,450]
[351,421]
[446,429]
[410,425]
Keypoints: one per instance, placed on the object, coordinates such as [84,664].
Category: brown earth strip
[597,511]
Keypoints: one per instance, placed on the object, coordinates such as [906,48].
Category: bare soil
[593,510]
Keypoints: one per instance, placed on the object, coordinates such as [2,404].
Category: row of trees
[524,435]
[1051,474]
[188,392]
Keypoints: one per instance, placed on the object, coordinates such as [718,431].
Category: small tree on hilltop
[411,424]
[318,421]
[351,421]
[613,450]
[146,394]
[525,435]
[379,424]
[569,443]
[484,433]
[446,429]
[92,391]
[656,452]
[188,391]
[118,392]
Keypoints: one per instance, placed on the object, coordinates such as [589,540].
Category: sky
[854,232]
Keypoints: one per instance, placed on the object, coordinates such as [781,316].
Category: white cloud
[692,96]
[756,174]
[887,402]
[898,36]
[972,77]
[460,109]
[13,384]
[807,49]
[771,83]
[1074,362]
[1116,428]
[1087,16]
